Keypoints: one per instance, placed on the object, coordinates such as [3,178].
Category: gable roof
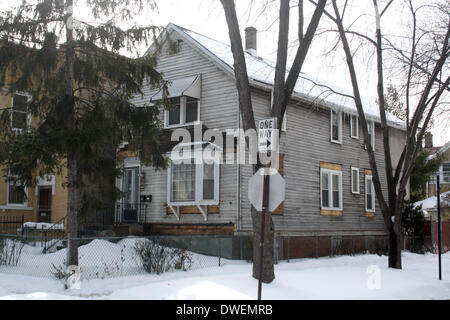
[261,73]
[439,151]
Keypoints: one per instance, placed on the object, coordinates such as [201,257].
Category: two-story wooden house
[324,162]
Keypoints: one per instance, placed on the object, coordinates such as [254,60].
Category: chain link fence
[107,257]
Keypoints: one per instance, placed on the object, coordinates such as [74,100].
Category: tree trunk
[73,207]
[268,273]
[395,248]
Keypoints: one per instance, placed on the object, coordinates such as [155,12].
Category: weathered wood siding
[218,109]
[305,144]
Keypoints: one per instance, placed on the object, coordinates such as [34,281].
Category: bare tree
[430,61]
[282,91]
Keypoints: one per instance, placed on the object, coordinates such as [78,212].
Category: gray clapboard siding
[305,144]
[218,109]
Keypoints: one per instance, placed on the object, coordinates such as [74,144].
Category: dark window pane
[355,181]
[16,193]
[325,202]
[191,110]
[208,181]
[19,120]
[174,111]
[19,112]
[336,199]
[20,103]
[354,126]
[369,202]
[335,125]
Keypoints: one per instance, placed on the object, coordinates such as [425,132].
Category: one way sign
[267,135]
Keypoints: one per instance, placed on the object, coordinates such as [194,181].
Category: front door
[130,189]
[45,204]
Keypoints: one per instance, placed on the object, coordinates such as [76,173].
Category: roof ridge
[306,91]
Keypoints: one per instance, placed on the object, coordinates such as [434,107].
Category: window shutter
[280,209]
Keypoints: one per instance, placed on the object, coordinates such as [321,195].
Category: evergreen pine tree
[81,91]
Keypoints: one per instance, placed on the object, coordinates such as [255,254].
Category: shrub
[156,258]
[10,251]
[413,226]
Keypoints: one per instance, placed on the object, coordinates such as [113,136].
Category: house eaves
[260,73]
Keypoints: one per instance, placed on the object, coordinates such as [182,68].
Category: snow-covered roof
[440,151]
[262,71]
[431,202]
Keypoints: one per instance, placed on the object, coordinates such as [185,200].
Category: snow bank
[431,202]
[346,277]
[97,259]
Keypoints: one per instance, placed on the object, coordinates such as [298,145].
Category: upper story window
[184,97]
[183,111]
[19,112]
[336,126]
[331,189]
[446,172]
[371,129]
[354,126]
[17,194]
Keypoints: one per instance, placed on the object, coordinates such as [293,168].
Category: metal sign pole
[263,219]
[439,226]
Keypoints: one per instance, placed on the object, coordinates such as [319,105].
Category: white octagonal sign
[276,190]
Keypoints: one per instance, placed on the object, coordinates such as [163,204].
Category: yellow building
[45,202]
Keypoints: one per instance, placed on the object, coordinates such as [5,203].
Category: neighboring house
[46,202]
[329,191]
[429,207]
[443,172]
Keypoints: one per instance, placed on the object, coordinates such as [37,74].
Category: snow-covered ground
[345,277]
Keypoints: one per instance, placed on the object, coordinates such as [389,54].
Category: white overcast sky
[207,17]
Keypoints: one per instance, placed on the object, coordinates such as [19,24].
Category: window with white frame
[183,111]
[355,180]
[370,194]
[193,183]
[446,172]
[354,126]
[331,189]
[371,129]
[19,112]
[17,194]
[336,126]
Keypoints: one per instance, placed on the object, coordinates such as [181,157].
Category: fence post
[220,250]
[288,248]
[275,247]
[69,236]
[45,241]
[432,233]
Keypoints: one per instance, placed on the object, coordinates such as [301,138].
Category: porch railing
[11,224]
[54,234]
[131,212]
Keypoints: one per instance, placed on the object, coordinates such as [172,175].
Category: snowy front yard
[345,277]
